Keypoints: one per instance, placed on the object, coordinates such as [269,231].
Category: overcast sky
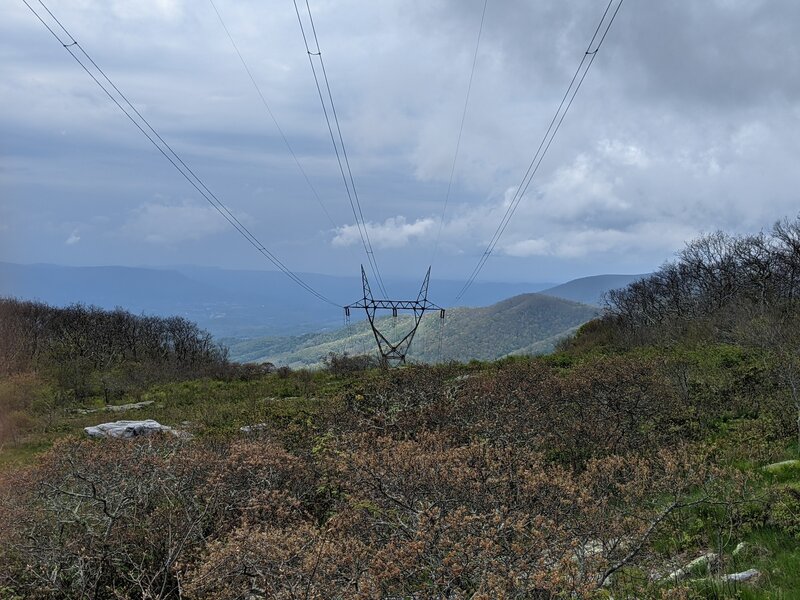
[688,122]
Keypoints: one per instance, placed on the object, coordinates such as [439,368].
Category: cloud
[592,209]
[73,238]
[535,247]
[597,242]
[624,153]
[174,223]
[147,9]
[395,232]
[686,123]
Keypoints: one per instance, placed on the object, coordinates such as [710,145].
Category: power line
[347,178]
[165,149]
[460,132]
[272,115]
[555,124]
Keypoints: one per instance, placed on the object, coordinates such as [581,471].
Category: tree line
[87,350]
[719,278]
[734,289]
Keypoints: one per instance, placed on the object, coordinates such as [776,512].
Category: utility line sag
[460,132]
[555,124]
[347,178]
[120,100]
[272,115]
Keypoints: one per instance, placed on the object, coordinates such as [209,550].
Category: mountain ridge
[590,290]
[261,316]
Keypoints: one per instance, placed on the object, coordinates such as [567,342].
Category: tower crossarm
[394,304]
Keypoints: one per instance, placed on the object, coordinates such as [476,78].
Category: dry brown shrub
[122,517]
[422,486]
[274,561]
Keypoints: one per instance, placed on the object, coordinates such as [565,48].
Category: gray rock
[701,562]
[740,547]
[114,407]
[254,428]
[749,575]
[129,429]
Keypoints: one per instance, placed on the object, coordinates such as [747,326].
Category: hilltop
[590,290]
[247,305]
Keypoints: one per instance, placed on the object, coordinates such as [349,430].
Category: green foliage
[86,352]
[576,408]
[777,556]
[344,364]
[784,509]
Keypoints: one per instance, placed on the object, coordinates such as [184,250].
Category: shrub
[784,510]
[345,364]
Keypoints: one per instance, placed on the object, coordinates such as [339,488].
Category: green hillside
[524,324]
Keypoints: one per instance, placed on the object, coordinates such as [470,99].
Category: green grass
[21,454]
[772,550]
[205,407]
[780,565]
[775,555]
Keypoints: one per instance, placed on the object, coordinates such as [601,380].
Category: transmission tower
[394,353]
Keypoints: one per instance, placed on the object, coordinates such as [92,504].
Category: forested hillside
[525,324]
[86,351]
[654,454]
[52,358]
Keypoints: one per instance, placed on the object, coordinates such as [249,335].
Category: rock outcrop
[129,429]
[701,562]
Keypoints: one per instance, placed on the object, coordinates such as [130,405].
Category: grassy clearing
[770,539]
[204,407]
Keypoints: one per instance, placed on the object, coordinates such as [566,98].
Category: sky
[687,123]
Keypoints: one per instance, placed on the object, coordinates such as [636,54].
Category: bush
[124,518]
[784,510]
[345,364]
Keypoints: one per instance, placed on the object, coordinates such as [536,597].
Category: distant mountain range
[524,324]
[228,303]
[590,290]
[246,307]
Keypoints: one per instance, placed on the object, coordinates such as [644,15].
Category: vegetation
[54,361]
[87,348]
[652,455]
[527,324]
